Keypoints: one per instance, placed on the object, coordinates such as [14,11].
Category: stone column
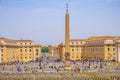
[117,54]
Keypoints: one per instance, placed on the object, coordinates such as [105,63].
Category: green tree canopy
[44,49]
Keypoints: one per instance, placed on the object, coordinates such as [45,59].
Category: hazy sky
[43,21]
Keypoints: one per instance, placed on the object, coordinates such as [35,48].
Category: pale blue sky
[43,21]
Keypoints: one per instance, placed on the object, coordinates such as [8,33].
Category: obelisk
[67,39]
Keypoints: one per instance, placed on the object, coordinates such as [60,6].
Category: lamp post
[89,63]
[100,63]
[40,63]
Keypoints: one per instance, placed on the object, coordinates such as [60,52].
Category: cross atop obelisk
[67,38]
[66,7]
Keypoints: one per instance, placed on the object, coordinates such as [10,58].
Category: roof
[78,39]
[23,40]
[2,38]
[102,37]
[11,42]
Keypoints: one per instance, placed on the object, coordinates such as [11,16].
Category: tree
[44,49]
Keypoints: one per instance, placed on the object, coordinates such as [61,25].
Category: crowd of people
[48,65]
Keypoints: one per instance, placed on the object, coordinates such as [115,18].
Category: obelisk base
[67,65]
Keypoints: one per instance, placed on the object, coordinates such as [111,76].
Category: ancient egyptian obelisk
[67,38]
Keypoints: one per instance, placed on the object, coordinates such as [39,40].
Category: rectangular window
[30,50]
[25,49]
[113,53]
[108,49]
[81,43]
[20,50]
[77,50]
[72,49]
[113,49]
[37,52]
[1,55]
[1,50]
[72,42]
[76,42]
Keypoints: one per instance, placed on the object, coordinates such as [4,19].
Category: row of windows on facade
[95,42]
[97,49]
[108,49]
[25,43]
[73,56]
[29,56]
[25,50]
[22,57]
[21,54]
[26,54]
[94,49]
[30,50]
[26,57]
[76,50]
[110,54]
[21,50]
[76,43]
[113,58]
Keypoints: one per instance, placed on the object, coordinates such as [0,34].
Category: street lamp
[89,64]
[100,63]
[40,63]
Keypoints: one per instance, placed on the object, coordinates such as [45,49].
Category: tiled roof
[78,39]
[5,41]
[23,40]
[102,37]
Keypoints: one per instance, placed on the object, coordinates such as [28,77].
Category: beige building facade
[54,52]
[19,50]
[75,49]
[102,49]
[93,48]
